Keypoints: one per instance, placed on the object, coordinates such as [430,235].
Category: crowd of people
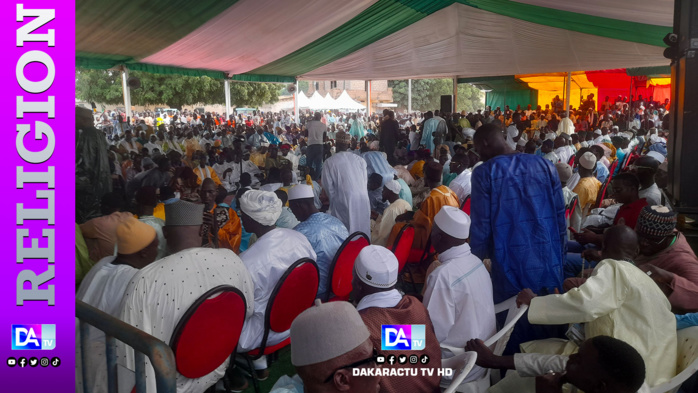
[570,219]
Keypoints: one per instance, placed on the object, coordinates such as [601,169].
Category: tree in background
[104,86]
[426,94]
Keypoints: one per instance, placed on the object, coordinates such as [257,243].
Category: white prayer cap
[626,135]
[262,206]
[550,136]
[393,186]
[453,221]
[597,132]
[377,266]
[588,160]
[521,142]
[657,156]
[468,133]
[300,191]
[326,331]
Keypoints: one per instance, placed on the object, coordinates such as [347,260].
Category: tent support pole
[226,87]
[455,95]
[127,91]
[409,95]
[368,98]
[295,104]
[567,93]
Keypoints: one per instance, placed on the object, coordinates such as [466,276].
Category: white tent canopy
[346,102]
[303,100]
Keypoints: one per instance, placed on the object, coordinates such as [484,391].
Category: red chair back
[571,207]
[602,191]
[466,205]
[342,268]
[403,245]
[209,331]
[612,169]
[295,292]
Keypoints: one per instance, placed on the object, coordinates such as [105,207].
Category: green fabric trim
[95,62]
[513,98]
[649,71]
[158,69]
[139,28]
[263,78]
[486,79]
[383,18]
[582,23]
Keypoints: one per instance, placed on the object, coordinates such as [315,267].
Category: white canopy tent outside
[303,100]
[347,103]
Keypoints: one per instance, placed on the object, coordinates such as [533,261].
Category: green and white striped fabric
[281,40]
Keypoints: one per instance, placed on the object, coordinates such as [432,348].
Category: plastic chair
[402,245]
[215,317]
[686,363]
[466,205]
[342,267]
[461,364]
[612,169]
[499,340]
[294,293]
[571,207]
[602,191]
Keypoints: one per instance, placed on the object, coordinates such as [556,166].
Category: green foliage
[104,86]
[303,86]
[426,94]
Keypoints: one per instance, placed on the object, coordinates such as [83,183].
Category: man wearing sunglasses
[330,341]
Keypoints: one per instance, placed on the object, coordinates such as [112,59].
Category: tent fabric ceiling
[267,40]
[469,42]
[651,12]
[241,46]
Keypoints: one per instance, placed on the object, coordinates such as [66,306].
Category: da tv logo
[34,337]
[402,337]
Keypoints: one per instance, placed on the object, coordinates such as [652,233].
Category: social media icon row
[402,359]
[33,362]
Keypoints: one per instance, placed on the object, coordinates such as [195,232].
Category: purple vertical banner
[37,312]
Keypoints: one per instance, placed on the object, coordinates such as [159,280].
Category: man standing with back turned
[518,221]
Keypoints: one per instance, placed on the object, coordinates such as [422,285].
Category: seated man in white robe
[160,294]
[603,364]
[461,184]
[275,250]
[105,285]
[617,300]
[458,293]
[385,223]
